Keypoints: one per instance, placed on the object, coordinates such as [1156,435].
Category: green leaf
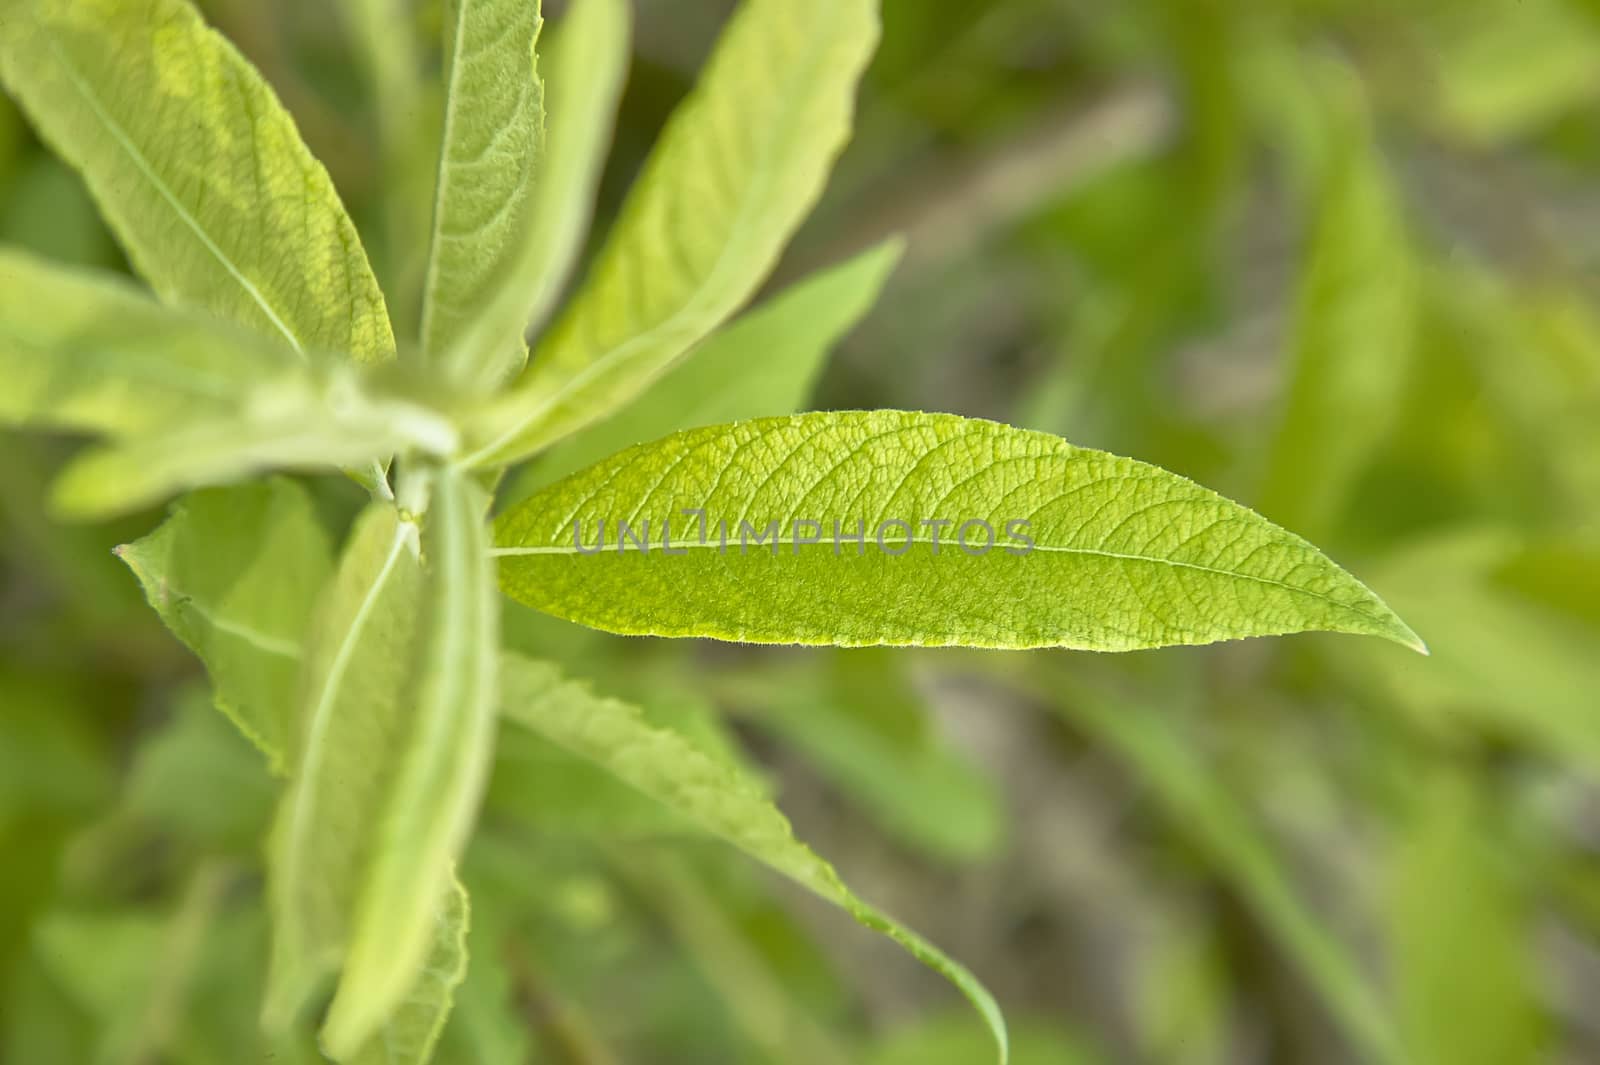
[739,166]
[395,735]
[354,694]
[585,65]
[197,166]
[716,796]
[1089,550]
[88,351]
[235,573]
[414,1029]
[493,136]
[762,365]
[1354,324]
[310,418]
[439,770]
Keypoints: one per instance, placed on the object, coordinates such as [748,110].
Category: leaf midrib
[118,134]
[558,550]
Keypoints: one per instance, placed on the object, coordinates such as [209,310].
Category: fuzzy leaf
[761,365]
[586,63]
[235,573]
[1123,555]
[414,1029]
[739,166]
[90,352]
[392,750]
[435,773]
[708,792]
[493,136]
[309,418]
[197,166]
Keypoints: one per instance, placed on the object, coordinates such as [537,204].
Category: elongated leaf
[762,365]
[394,739]
[717,797]
[439,769]
[414,1030]
[1080,548]
[197,167]
[356,690]
[1354,329]
[235,573]
[493,135]
[585,65]
[738,167]
[89,351]
[308,419]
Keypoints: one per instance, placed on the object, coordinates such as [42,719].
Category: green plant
[374,682]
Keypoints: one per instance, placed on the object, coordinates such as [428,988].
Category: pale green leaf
[1085,549]
[762,365]
[739,166]
[196,165]
[1353,329]
[723,801]
[355,692]
[235,573]
[439,768]
[309,418]
[585,65]
[395,732]
[493,135]
[414,1029]
[88,351]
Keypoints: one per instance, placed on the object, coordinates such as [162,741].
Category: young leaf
[585,64]
[970,533]
[439,767]
[414,1029]
[314,418]
[196,165]
[737,169]
[87,351]
[664,766]
[393,747]
[493,134]
[235,573]
[354,693]
[760,366]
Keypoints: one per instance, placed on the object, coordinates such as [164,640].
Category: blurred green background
[1334,258]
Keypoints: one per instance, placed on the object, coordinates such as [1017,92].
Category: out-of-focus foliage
[1333,258]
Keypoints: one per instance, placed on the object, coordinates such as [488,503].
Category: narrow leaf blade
[1043,544]
[493,136]
[586,63]
[439,772]
[305,419]
[197,166]
[712,794]
[90,352]
[739,166]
